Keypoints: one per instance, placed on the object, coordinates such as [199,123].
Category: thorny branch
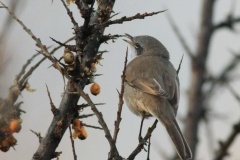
[124,19]
[120,104]
[59,124]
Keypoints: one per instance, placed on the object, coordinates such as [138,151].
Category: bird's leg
[140,133]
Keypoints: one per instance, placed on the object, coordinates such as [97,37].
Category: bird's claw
[141,140]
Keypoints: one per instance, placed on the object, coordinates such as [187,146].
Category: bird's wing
[150,86]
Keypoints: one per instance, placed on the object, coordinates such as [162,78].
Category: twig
[101,52]
[114,15]
[101,121]
[224,146]
[120,104]
[53,108]
[87,105]
[90,126]
[149,143]
[70,47]
[38,135]
[85,116]
[105,38]
[179,67]
[124,19]
[180,36]
[71,138]
[141,144]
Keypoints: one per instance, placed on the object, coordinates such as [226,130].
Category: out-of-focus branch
[223,76]
[198,76]
[120,104]
[228,23]
[180,36]
[224,146]
[236,96]
[141,144]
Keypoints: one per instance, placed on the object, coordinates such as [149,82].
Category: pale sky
[50,20]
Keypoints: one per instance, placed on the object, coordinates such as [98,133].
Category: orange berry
[4,146]
[83,133]
[15,125]
[11,140]
[95,89]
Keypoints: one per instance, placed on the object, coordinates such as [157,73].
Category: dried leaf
[29,89]
[70,1]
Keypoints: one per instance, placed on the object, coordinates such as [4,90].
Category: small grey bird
[152,88]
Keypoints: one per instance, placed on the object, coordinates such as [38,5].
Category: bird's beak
[129,37]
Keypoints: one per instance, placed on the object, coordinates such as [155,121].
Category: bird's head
[146,45]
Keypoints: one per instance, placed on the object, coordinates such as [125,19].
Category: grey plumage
[152,87]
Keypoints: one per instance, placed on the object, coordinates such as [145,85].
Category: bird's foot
[141,140]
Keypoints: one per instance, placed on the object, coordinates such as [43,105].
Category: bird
[152,88]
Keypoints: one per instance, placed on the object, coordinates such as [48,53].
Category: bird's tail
[178,139]
[171,125]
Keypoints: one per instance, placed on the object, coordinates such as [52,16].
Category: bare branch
[224,146]
[180,36]
[120,104]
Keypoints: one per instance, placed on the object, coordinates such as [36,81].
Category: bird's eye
[137,46]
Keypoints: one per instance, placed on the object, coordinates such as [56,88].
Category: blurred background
[47,19]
